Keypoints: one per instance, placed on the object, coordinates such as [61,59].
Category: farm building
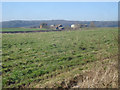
[85,25]
[57,27]
[77,26]
[60,27]
[52,26]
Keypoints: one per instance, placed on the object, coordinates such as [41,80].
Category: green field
[21,29]
[38,59]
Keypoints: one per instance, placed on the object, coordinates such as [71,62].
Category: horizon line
[56,20]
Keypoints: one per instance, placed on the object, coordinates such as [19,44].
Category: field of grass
[39,59]
[21,29]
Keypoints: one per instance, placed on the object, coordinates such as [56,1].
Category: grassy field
[21,29]
[49,58]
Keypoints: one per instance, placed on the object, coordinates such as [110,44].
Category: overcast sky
[81,11]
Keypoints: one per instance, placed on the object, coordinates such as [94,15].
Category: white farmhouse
[73,26]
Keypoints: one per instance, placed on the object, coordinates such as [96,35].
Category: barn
[77,26]
[57,27]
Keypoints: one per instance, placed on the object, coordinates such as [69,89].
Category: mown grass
[32,58]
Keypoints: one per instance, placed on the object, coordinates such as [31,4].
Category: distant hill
[36,23]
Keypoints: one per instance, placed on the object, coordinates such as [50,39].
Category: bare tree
[92,25]
[44,25]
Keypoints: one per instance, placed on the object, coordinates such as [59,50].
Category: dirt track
[30,31]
